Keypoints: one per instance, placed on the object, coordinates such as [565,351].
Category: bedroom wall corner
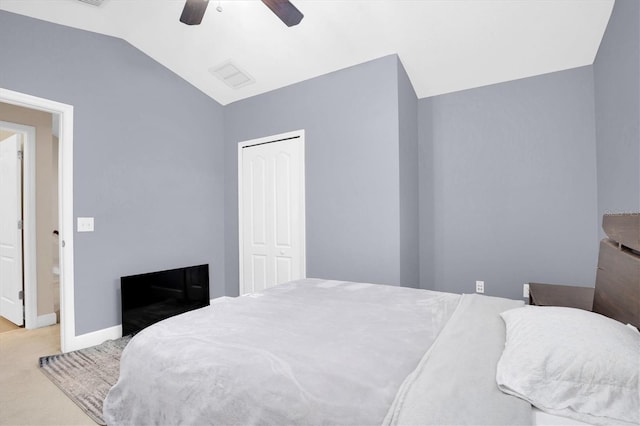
[426,194]
[409,191]
[350,118]
[617,111]
[148,155]
[513,187]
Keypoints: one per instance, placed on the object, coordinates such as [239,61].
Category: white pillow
[572,363]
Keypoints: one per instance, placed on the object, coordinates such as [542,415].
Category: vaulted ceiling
[445,45]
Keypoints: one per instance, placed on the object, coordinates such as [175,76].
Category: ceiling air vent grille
[232,75]
[92,2]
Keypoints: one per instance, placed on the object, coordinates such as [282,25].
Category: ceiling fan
[194,11]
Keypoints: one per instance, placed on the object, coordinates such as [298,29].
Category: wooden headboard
[617,292]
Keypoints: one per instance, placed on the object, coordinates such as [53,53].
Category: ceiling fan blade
[193,12]
[286,11]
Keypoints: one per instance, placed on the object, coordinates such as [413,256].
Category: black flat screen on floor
[152,297]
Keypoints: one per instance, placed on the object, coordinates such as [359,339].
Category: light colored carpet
[6,325]
[28,397]
[87,375]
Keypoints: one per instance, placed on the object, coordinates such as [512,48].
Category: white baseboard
[115,332]
[94,338]
[46,320]
[219,299]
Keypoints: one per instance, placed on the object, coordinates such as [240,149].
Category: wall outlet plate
[479,286]
[525,290]
[85,224]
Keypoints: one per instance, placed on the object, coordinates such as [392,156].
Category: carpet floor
[6,325]
[86,375]
[28,397]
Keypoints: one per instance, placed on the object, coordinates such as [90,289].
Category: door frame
[29,220]
[65,204]
[260,141]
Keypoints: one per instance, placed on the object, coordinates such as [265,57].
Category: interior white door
[11,306]
[272,214]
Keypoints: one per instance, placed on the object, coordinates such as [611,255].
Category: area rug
[86,375]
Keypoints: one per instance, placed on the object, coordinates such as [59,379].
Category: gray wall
[352,169]
[513,191]
[426,194]
[148,161]
[506,174]
[409,208]
[617,103]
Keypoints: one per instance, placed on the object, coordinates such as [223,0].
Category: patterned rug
[86,375]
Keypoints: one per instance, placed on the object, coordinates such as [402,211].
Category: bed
[318,351]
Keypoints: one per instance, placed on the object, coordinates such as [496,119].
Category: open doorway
[64,219]
[17,215]
[29,265]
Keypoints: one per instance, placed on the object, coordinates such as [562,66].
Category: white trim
[45,320]
[29,217]
[94,338]
[220,299]
[274,138]
[68,339]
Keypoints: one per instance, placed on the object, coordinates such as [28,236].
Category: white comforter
[306,352]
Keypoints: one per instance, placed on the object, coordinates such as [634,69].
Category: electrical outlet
[479,286]
[85,224]
[525,290]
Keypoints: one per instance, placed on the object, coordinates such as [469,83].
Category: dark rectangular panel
[152,297]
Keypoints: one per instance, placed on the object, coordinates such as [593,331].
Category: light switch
[85,224]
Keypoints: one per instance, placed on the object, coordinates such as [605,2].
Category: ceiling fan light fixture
[285,10]
[193,12]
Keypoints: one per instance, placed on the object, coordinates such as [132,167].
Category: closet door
[271,204]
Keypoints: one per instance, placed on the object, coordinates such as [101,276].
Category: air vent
[93,2]
[233,76]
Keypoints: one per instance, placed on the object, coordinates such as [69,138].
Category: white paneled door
[11,230]
[272,223]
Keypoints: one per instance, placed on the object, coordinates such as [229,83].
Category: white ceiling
[445,45]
